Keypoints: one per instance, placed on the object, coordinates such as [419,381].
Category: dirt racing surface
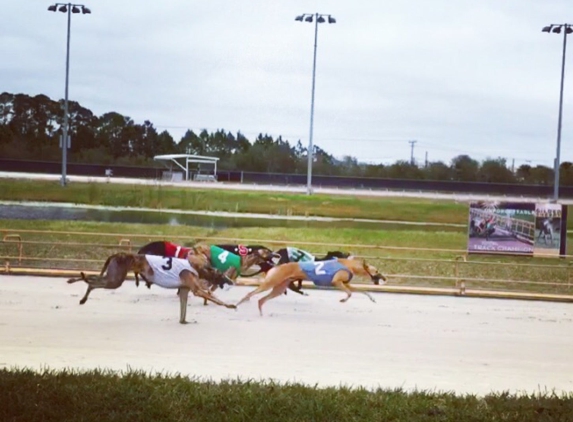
[464,345]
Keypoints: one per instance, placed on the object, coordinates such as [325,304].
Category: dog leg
[73,280]
[292,286]
[89,281]
[367,294]
[340,284]
[183,297]
[274,278]
[208,296]
[211,289]
[192,283]
[277,291]
[261,288]
[94,282]
[147,282]
[85,298]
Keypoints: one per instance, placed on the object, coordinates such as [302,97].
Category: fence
[409,269]
[298,179]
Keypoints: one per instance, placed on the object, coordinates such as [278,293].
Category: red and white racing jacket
[176,251]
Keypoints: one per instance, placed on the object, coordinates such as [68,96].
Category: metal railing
[457,272]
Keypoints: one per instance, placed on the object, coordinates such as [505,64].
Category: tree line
[30,127]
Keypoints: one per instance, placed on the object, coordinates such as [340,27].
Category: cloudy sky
[464,76]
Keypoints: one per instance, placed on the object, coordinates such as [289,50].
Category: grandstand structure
[183,161]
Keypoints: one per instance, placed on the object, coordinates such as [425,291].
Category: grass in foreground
[135,396]
[158,197]
[404,265]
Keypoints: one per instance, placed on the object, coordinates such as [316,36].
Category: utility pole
[412,143]
[426,164]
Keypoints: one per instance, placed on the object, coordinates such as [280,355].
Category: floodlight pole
[65,129]
[318,18]
[310,154]
[560,119]
[566,31]
[66,112]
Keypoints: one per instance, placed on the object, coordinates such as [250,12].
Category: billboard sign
[517,228]
[501,228]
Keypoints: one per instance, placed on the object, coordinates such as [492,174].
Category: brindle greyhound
[165,272]
[337,273]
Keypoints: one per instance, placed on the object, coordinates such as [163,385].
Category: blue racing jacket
[321,273]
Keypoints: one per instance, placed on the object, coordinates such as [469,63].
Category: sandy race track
[442,343]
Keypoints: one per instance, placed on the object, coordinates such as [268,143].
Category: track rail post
[15,238]
[459,283]
[125,243]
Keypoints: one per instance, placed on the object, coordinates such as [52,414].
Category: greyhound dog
[284,255]
[337,273]
[241,250]
[164,248]
[290,254]
[167,272]
[231,264]
[224,261]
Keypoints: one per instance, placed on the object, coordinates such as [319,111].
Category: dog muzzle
[225,283]
[376,279]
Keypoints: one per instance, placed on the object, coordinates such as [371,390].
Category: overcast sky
[464,76]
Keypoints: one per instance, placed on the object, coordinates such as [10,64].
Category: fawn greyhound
[337,273]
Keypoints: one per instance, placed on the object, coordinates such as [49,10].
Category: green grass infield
[70,395]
